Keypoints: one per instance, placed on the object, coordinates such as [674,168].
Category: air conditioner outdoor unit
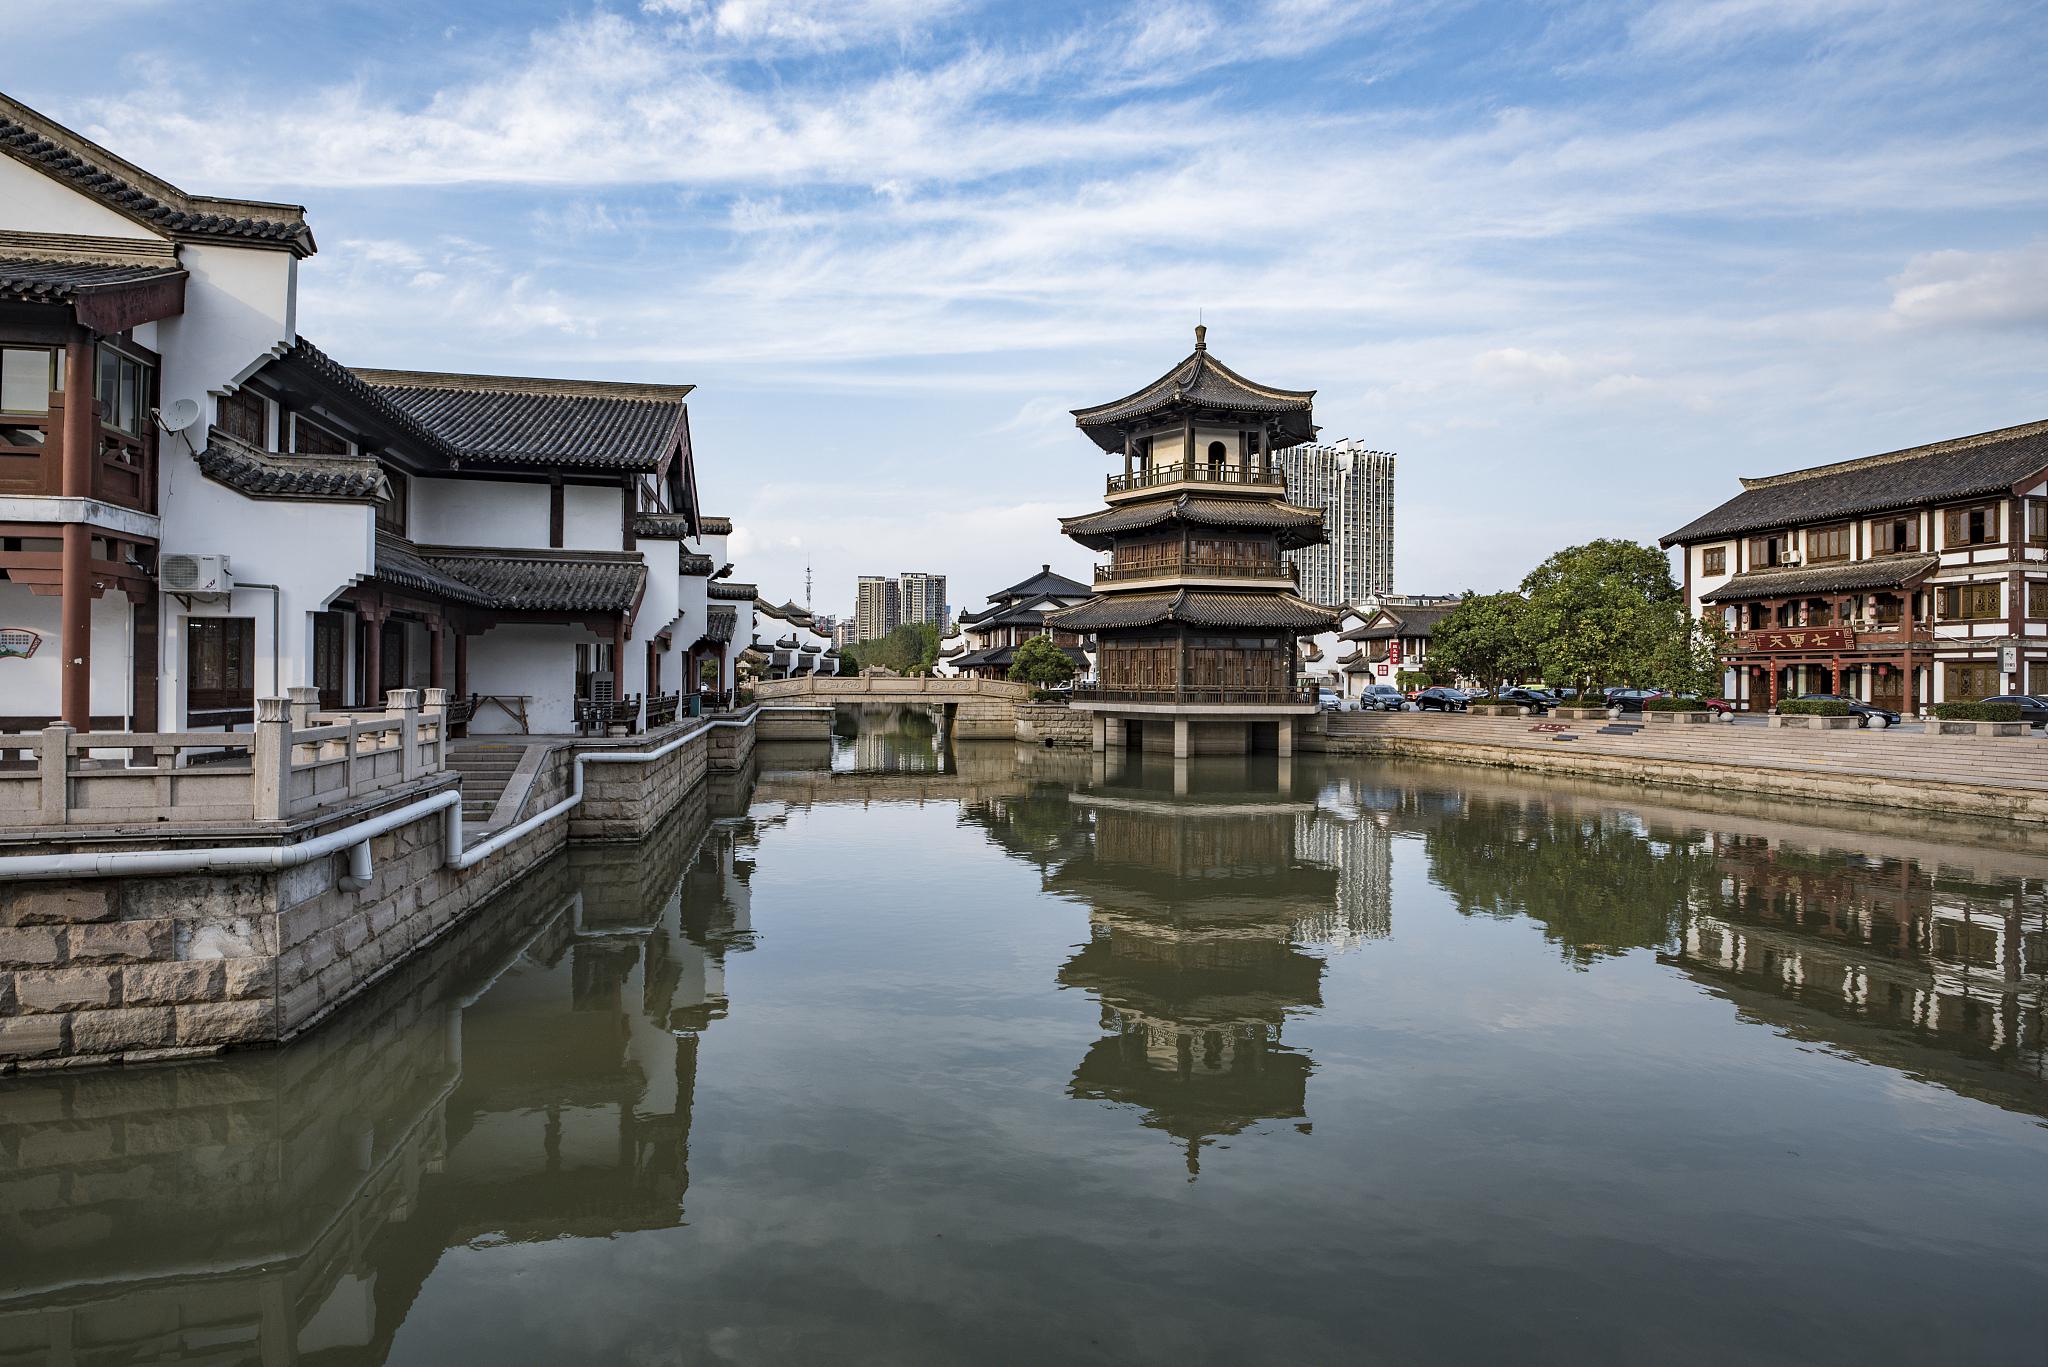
[1789,561]
[196,576]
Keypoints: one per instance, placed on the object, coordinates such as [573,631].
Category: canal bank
[121,942]
[2004,779]
[874,1051]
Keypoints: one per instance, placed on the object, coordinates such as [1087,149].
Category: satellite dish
[178,416]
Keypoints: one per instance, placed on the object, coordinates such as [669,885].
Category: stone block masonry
[103,970]
[1054,724]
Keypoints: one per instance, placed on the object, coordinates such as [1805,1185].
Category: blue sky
[1579,264]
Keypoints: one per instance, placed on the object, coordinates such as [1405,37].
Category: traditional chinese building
[1196,614]
[1907,578]
[983,645]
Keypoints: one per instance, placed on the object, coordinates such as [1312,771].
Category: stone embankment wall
[1052,723]
[140,969]
[2001,779]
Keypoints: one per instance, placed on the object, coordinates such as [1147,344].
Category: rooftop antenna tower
[807,588]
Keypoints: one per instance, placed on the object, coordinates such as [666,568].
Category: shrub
[1673,705]
[1977,711]
[1813,707]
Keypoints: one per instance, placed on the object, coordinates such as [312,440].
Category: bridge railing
[853,688]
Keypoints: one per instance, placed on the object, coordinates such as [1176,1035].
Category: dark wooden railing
[123,466]
[1112,571]
[1201,472]
[1197,693]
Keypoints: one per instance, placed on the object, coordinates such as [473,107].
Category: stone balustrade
[295,763]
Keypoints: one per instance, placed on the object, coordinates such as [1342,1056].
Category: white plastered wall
[592,517]
[30,687]
[475,512]
[536,661]
[37,203]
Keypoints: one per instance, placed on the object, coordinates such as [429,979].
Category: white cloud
[1974,289]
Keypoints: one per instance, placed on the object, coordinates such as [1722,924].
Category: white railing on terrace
[295,763]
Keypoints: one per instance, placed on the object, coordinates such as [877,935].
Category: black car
[1535,699]
[1865,713]
[1631,699]
[2033,710]
[1440,700]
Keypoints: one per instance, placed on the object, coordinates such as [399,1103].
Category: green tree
[1485,638]
[1038,661]
[1602,613]
[909,649]
[1688,653]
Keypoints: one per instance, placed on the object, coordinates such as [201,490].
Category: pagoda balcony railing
[1201,472]
[1198,693]
[122,466]
[1197,567]
[1776,640]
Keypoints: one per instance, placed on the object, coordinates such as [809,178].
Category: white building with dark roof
[198,505]
[984,644]
[1907,578]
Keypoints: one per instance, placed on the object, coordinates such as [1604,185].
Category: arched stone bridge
[971,709]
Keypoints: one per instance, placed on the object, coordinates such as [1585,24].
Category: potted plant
[1582,707]
[1814,714]
[1677,711]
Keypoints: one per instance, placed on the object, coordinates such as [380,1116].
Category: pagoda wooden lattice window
[2037,598]
[1969,682]
[2037,522]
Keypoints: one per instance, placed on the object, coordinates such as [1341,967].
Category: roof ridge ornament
[1201,337]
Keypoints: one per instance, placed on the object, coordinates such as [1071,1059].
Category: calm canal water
[884,1053]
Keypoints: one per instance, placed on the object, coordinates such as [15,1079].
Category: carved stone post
[404,704]
[271,760]
[437,708]
[54,760]
[305,702]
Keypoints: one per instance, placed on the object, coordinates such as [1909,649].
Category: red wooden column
[75,574]
[619,658]
[373,654]
[461,664]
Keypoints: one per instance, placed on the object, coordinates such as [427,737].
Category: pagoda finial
[1201,337]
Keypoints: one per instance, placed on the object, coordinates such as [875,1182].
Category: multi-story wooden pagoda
[1196,614]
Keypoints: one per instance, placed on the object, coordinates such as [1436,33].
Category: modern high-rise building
[845,633]
[1354,488]
[877,607]
[922,596]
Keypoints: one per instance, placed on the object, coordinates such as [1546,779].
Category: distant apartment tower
[877,607]
[922,596]
[1354,486]
[845,633]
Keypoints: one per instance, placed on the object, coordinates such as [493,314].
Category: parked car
[2033,710]
[1535,699]
[1632,699]
[1382,698]
[1867,714]
[1329,700]
[1441,700]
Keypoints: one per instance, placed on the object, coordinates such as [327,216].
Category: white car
[1329,700]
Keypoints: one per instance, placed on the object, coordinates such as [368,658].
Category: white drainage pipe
[355,839]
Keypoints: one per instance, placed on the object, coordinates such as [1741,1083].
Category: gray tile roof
[514,420]
[1045,582]
[1296,526]
[514,580]
[269,474]
[716,526]
[1943,472]
[55,282]
[400,563]
[93,171]
[696,566]
[1885,572]
[719,623]
[1197,608]
[661,526]
[732,592]
[1200,382]
[546,581]
[1408,623]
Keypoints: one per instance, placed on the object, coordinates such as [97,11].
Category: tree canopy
[1485,638]
[1038,661]
[1604,613]
[909,649]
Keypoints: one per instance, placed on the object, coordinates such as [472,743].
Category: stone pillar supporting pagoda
[1196,613]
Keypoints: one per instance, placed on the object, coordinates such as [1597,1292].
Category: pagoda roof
[1296,526]
[1197,608]
[1201,382]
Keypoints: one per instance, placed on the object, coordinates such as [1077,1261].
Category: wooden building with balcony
[1908,578]
[983,645]
[1196,614]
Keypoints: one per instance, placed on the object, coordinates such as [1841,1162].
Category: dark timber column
[619,658]
[373,654]
[461,665]
[437,653]
[75,578]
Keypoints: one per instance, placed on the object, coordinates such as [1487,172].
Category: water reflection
[888,738]
[530,1079]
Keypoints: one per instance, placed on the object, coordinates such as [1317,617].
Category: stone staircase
[486,767]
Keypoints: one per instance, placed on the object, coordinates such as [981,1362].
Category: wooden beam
[555,512]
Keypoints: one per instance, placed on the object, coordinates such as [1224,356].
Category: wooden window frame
[1954,518]
[1714,560]
[232,641]
[1949,669]
[300,421]
[2037,599]
[392,512]
[234,412]
[1882,543]
[1951,600]
[1827,537]
[2037,522]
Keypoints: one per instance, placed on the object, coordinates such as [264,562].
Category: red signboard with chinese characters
[1393,652]
[1795,638]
